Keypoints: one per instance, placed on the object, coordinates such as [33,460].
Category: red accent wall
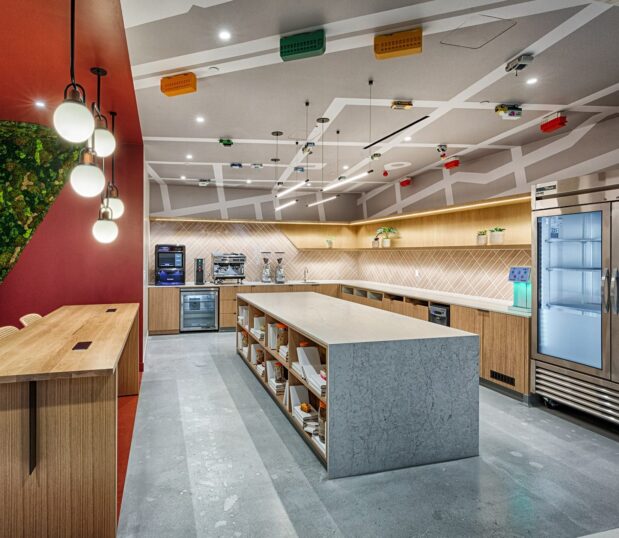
[62,263]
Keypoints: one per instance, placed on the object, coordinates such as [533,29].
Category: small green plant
[482,232]
[386,231]
[497,229]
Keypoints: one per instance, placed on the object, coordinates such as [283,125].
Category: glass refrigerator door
[570,291]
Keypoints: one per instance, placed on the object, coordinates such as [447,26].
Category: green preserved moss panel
[34,165]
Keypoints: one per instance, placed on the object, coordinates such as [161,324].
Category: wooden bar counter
[59,382]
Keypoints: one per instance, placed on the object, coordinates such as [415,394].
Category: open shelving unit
[359,374]
[292,377]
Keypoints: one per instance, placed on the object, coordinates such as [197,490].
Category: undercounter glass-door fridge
[575,293]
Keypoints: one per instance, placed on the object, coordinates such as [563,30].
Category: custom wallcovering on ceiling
[34,163]
[467,271]
[589,147]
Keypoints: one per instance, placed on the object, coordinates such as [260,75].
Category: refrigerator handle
[604,290]
[614,306]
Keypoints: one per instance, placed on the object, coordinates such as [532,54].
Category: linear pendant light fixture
[72,119]
[341,182]
[306,181]
[287,204]
[322,121]
[291,189]
[323,201]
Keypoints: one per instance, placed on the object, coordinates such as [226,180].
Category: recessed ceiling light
[224,35]
[39,104]
[407,138]
[200,119]
[532,80]
[345,167]
[248,181]
[183,177]
[189,156]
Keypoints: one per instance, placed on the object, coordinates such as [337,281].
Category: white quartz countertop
[332,321]
[471,301]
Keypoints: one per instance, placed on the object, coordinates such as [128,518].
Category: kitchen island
[399,391]
[59,382]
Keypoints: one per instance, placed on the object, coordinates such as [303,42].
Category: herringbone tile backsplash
[467,271]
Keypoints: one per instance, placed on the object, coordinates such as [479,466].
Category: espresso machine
[266,268]
[280,275]
[227,267]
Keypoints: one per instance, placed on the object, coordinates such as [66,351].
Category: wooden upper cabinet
[163,310]
[505,351]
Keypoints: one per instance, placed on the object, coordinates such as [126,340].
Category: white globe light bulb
[105,143]
[73,121]
[105,231]
[87,180]
[116,205]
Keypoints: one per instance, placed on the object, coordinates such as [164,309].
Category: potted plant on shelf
[386,232]
[329,241]
[496,235]
[482,237]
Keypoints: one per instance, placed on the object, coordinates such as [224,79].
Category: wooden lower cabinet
[163,310]
[466,319]
[505,351]
[332,290]
[504,345]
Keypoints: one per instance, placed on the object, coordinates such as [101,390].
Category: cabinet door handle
[614,304]
[604,290]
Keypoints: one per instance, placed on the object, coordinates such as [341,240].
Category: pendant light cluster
[78,124]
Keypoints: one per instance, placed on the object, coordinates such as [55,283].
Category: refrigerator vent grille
[504,378]
[599,401]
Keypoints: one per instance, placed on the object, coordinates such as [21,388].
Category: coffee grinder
[280,276]
[266,268]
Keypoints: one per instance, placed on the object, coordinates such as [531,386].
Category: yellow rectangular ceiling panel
[179,84]
[398,44]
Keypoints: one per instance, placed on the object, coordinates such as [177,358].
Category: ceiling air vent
[178,84]
[299,46]
[399,44]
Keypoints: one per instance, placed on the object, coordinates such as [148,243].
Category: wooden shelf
[464,247]
[449,228]
[293,378]
[285,362]
[279,401]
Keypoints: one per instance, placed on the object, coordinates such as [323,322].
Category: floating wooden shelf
[465,247]
[453,229]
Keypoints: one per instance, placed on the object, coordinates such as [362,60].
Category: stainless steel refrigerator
[575,324]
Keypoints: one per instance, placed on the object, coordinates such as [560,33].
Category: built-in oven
[199,309]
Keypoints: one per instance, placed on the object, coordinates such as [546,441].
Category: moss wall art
[34,164]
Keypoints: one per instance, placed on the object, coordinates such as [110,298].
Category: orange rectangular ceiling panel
[179,84]
[398,44]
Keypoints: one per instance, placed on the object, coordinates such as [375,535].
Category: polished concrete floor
[213,456]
